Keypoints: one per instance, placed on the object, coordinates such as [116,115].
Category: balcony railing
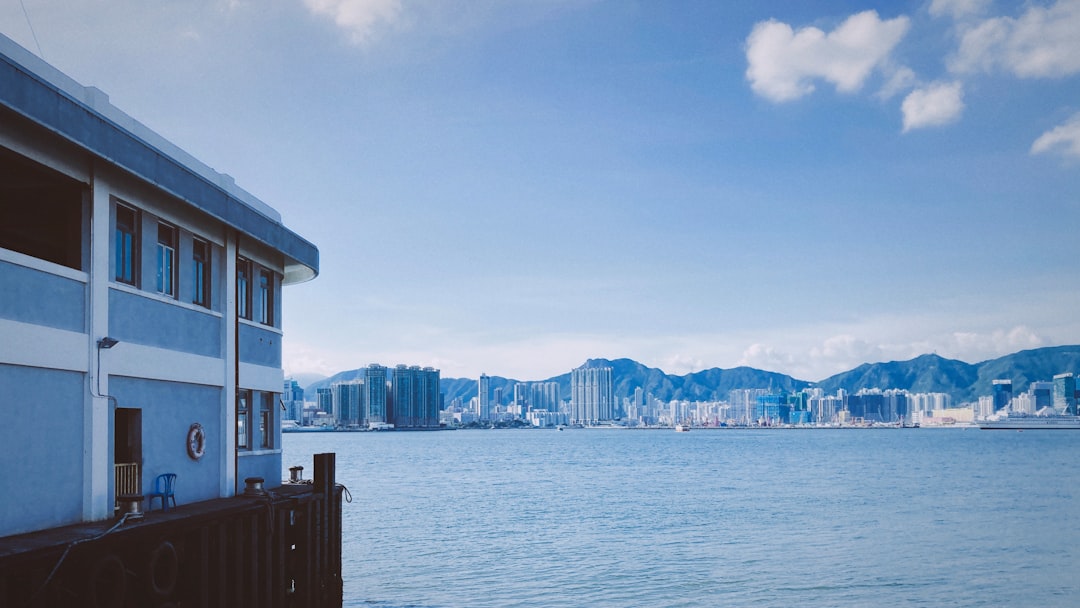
[127,479]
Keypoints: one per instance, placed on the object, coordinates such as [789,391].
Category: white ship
[1024,422]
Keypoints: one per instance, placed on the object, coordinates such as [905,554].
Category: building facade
[347,402]
[1002,394]
[592,392]
[374,398]
[483,403]
[141,310]
[1065,393]
[415,398]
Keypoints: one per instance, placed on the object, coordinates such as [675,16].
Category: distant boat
[296,428]
[1026,422]
[682,428]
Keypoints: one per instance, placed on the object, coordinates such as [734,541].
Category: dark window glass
[200,263]
[166,260]
[266,421]
[127,244]
[266,298]
[243,401]
[243,289]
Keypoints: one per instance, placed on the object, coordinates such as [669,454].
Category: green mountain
[924,374]
[627,375]
[963,381]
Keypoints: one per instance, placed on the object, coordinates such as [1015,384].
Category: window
[243,401]
[243,288]
[266,298]
[166,260]
[266,421]
[200,263]
[127,245]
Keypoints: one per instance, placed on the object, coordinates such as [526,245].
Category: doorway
[127,451]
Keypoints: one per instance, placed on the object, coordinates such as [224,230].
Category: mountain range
[931,373]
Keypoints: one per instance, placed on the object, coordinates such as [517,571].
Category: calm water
[919,517]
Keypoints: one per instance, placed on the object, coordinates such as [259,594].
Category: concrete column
[98,414]
[227,442]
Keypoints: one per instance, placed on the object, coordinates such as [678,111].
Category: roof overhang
[82,115]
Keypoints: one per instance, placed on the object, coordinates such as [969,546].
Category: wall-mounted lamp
[103,344]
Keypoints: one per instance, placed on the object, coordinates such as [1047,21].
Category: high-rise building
[293,399]
[347,396]
[1065,393]
[537,396]
[744,402]
[373,400]
[1002,394]
[592,393]
[1042,395]
[414,401]
[483,387]
[324,398]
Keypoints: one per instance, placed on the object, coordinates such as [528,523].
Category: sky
[512,188]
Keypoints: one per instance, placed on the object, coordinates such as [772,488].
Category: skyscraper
[325,398]
[592,395]
[347,396]
[373,401]
[293,398]
[484,397]
[1065,394]
[414,397]
[1002,394]
[537,396]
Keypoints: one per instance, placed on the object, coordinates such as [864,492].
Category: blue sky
[515,187]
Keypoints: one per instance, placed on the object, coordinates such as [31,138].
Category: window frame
[243,410]
[266,421]
[202,272]
[126,253]
[243,288]
[165,259]
[265,310]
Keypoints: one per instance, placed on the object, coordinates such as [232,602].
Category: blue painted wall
[168,410]
[267,466]
[41,431]
[146,321]
[260,346]
[37,297]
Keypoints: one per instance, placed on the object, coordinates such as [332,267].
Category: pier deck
[277,549]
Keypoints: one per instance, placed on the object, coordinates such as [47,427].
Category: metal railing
[127,479]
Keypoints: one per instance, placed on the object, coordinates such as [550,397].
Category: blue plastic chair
[163,489]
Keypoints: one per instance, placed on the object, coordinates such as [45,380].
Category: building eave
[83,116]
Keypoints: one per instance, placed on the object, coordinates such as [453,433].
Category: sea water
[859,517]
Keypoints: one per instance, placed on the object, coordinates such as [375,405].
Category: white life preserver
[196,441]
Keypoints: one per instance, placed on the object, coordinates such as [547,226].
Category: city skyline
[513,189]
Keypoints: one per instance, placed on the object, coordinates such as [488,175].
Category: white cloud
[958,9]
[934,105]
[761,356]
[357,17]
[1064,138]
[1042,43]
[783,63]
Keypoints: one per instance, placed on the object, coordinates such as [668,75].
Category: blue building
[140,319]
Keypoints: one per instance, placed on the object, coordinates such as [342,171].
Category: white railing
[127,479]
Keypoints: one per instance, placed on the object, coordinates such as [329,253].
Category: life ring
[163,569]
[196,441]
[106,587]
